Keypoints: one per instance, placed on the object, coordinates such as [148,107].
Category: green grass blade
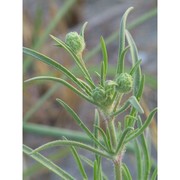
[134,102]
[144,126]
[79,163]
[47,163]
[52,63]
[122,139]
[80,123]
[60,14]
[122,38]
[105,56]
[126,172]
[59,80]
[138,159]
[154,175]
[135,58]
[72,143]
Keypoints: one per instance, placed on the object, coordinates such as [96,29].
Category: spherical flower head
[124,83]
[98,94]
[75,42]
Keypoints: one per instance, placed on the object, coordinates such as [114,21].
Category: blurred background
[42,114]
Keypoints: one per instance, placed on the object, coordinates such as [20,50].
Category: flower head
[75,42]
[124,83]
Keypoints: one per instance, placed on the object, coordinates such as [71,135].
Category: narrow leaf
[134,102]
[121,109]
[138,159]
[126,172]
[121,61]
[141,88]
[80,123]
[154,175]
[79,163]
[146,163]
[105,56]
[144,126]
[83,29]
[52,63]
[122,37]
[135,58]
[59,80]
[122,139]
[102,74]
[104,137]
[47,163]
[71,143]
[135,67]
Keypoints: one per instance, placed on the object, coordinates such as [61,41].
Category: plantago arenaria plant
[106,96]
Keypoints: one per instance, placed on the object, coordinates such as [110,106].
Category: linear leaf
[95,130]
[122,37]
[79,163]
[135,67]
[154,175]
[122,57]
[134,102]
[59,80]
[83,29]
[52,63]
[138,159]
[105,56]
[144,126]
[141,88]
[125,106]
[131,101]
[102,74]
[125,171]
[47,163]
[72,143]
[80,123]
[104,137]
[122,139]
[146,163]
[135,58]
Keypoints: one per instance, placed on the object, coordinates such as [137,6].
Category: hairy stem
[118,169]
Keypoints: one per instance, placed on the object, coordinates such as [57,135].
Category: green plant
[112,141]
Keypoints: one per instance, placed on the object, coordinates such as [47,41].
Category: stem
[118,169]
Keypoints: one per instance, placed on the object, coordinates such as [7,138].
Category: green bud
[75,42]
[124,83]
[99,95]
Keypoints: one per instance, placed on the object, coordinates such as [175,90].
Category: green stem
[118,170]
